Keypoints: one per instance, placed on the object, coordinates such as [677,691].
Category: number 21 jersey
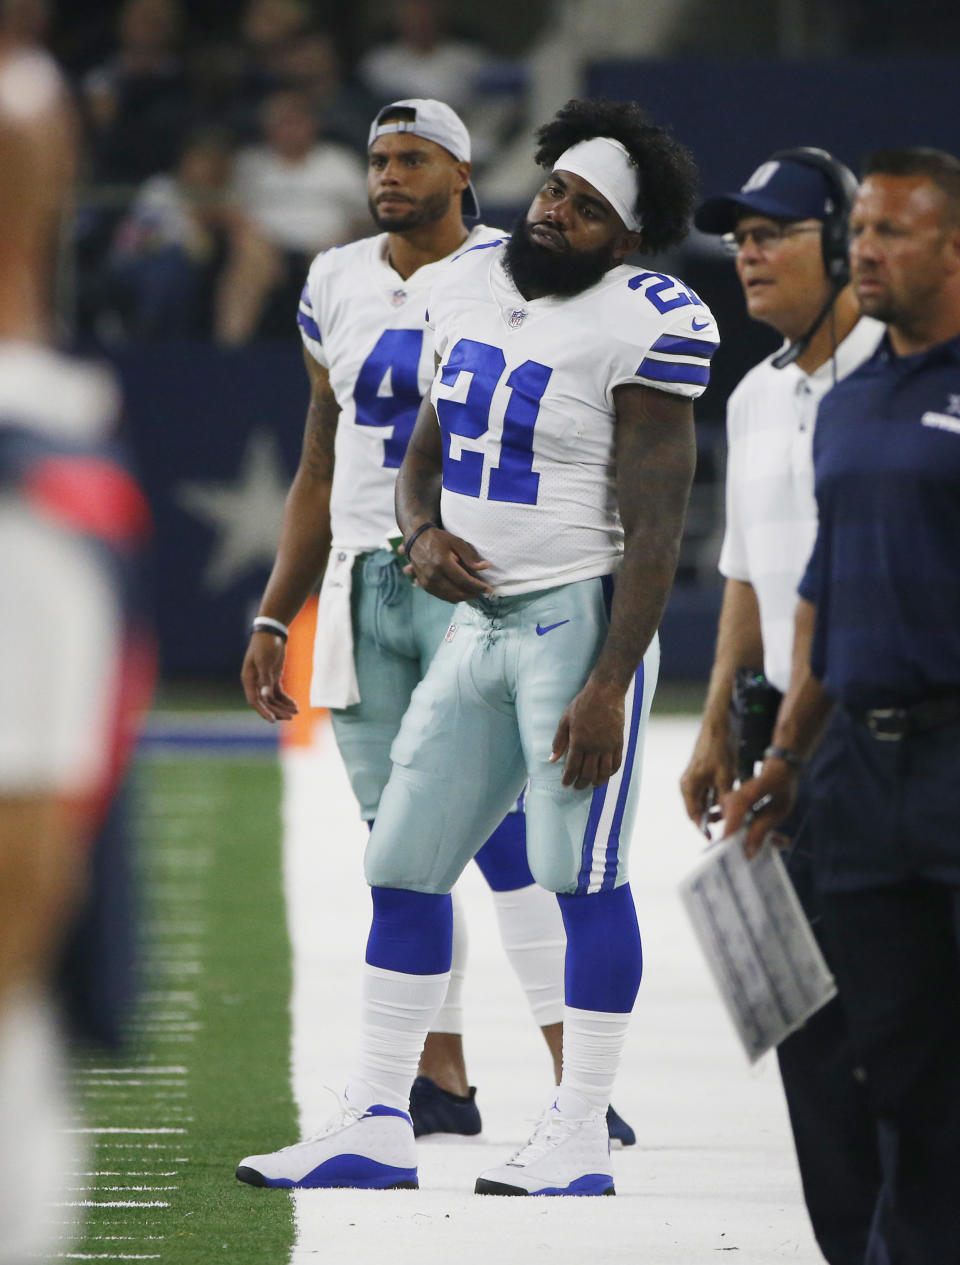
[524,397]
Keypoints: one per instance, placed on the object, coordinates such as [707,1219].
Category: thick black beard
[537,270]
[429,211]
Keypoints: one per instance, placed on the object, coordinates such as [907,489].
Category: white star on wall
[244,514]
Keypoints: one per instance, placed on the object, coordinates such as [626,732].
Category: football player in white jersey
[543,491]
[361,318]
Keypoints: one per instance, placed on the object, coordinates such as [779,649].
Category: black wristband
[790,758]
[412,539]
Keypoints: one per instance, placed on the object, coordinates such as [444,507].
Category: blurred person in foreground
[788,226]
[70,521]
[877,653]
[362,320]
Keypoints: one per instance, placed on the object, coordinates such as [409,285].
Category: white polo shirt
[771,517]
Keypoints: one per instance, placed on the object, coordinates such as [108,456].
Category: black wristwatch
[790,758]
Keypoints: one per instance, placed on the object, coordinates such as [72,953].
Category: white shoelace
[343,1116]
[551,1130]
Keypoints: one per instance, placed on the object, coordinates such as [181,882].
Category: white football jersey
[365,324]
[524,395]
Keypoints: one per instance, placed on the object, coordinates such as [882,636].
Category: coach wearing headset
[787,227]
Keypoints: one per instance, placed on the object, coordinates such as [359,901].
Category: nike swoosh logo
[550,627]
[695,326]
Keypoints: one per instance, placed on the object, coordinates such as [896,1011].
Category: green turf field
[206,1078]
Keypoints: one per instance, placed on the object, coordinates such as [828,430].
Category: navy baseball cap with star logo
[780,188]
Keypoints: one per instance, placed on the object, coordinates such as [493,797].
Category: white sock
[593,1042]
[38,1151]
[531,929]
[449,1017]
[396,1015]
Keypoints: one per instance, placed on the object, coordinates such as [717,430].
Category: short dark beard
[537,270]
[430,210]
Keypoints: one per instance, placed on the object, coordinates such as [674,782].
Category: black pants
[896,955]
[887,818]
[834,1131]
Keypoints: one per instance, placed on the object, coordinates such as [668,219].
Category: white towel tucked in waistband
[334,680]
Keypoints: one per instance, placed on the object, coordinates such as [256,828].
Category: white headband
[605,164]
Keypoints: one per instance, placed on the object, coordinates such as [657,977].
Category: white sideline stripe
[107,1256]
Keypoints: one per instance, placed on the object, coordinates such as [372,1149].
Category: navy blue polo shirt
[885,570]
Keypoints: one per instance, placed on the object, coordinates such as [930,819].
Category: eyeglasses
[766,236]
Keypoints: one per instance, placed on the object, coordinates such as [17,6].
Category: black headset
[843,185]
[833,241]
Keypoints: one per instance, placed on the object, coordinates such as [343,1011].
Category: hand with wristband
[263,670]
[444,565]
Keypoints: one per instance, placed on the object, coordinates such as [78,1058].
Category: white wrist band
[263,623]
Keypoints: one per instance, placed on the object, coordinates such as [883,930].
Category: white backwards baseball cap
[434,121]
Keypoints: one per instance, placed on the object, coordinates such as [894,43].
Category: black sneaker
[436,1110]
[617,1128]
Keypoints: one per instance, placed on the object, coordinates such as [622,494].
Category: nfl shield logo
[398,297]
[450,633]
[517,318]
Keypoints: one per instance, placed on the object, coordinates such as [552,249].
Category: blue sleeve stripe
[305,297]
[662,371]
[309,326]
[685,346]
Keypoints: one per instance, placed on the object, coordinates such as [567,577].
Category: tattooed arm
[301,552]
[656,455]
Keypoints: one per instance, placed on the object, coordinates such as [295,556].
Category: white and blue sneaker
[369,1148]
[568,1154]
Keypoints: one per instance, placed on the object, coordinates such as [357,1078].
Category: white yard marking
[112,1203]
[102,1129]
[143,1070]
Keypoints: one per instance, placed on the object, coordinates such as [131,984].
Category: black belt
[892,723]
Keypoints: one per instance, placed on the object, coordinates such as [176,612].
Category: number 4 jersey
[365,324]
[524,395]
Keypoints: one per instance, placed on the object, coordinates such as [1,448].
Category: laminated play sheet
[757,942]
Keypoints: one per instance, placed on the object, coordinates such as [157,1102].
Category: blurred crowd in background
[225,142]
[220,159]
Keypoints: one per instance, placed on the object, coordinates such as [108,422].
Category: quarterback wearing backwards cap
[361,319]
[788,228]
[543,494]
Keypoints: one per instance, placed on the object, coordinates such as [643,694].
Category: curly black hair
[668,174]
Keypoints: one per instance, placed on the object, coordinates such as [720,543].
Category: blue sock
[604,960]
[503,858]
[411,932]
